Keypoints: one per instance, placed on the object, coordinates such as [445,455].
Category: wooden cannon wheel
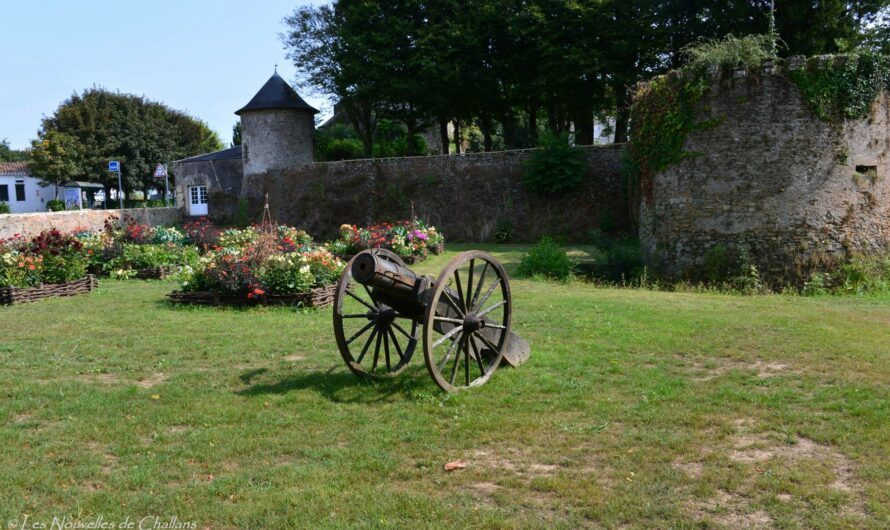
[374,340]
[467,321]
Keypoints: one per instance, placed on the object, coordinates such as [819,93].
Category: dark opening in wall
[865,170]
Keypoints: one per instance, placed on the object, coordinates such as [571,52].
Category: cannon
[465,314]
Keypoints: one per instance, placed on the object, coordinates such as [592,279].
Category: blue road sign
[114,165]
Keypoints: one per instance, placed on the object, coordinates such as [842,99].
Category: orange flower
[32,267]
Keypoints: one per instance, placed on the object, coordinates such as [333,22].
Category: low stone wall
[94,220]
[468,197]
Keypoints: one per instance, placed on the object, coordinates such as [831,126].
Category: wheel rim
[467,322]
[373,339]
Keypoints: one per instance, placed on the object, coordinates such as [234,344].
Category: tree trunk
[552,120]
[509,124]
[533,121]
[622,111]
[584,127]
[410,144]
[486,124]
[443,134]
[457,143]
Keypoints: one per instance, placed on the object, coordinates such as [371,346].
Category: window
[20,190]
[198,195]
[4,193]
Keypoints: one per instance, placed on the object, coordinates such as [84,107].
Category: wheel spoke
[494,326]
[362,315]
[478,356]
[467,360]
[395,343]
[456,360]
[386,348]
[360,332]
[487,342]
[491,308]
[460,290]
[365,349]
[479,285]
[450,301]
[448,353]
[376,352]
[371,296]
[447,336]
[452,320]
[366,304]
[470,285]
[487,294]
[402,330]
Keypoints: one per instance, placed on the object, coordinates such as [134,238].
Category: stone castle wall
[88,220]
[771,180]
[467,196]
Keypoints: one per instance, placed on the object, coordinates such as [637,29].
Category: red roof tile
[16,169]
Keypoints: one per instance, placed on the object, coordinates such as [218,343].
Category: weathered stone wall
[93,220]
[466,196]
[773,179]
[222,178]
[276,139]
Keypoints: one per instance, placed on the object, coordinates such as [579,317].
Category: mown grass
[637,409]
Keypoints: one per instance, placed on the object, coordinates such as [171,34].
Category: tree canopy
[8,154]
[91,128]
[507,66]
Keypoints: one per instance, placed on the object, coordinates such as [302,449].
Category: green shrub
[546,259]
[556,167]
[341,149]
[503,231]
[4,207]
[55,205]
[718,265]
[750,50]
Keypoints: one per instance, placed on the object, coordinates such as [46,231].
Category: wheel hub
[473,323]
[385,316]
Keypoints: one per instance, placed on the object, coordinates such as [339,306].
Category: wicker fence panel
[21,295]
[318,297]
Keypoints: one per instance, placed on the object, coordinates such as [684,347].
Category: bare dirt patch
[109,459]
[750,446]
[152,380]
[719,366]
[512,460]
[692,469]
[294,358]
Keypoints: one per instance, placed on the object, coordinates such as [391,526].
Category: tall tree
[55,159]
[8,154]
[132,129]
[236,134]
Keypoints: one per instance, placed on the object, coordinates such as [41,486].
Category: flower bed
[138,251]
[410,240]
[278,265]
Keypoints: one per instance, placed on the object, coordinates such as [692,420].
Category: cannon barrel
[385,275]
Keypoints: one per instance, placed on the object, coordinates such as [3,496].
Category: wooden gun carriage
[465,315]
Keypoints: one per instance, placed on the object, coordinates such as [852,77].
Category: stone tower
[277,128]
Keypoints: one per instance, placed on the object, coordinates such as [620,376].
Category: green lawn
[637,409]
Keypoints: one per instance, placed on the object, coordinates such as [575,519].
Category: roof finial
[276,68]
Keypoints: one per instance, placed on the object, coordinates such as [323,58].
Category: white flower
[305,269]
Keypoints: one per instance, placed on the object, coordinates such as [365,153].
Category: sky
[205,57]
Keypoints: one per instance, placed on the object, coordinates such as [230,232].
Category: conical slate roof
[276,94]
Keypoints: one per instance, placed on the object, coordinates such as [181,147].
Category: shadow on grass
[343,386]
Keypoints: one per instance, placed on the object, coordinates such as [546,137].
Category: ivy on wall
[843,86]
[662,116]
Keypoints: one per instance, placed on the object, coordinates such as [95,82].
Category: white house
[20,191]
